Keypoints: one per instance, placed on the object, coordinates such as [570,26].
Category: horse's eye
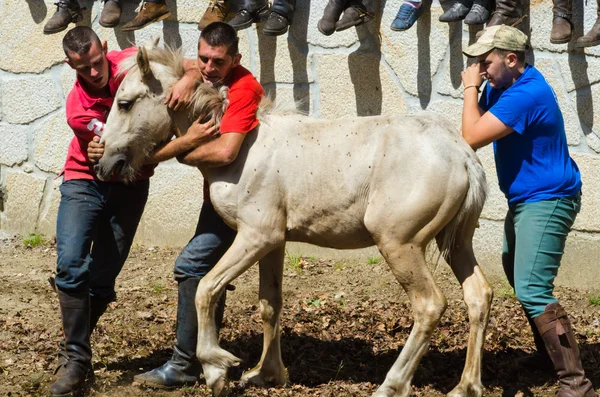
[125,105]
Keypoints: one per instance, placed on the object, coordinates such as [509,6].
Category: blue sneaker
[407,16]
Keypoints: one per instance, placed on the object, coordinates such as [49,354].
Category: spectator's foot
[66,12]
[407,16]
[562,30]
[244,18]
[478,15]
[216,11]
[276,25]
[148,13]
[457,12]
[591,38]
[111,13]
[499,18]
[353,16]
[331,14]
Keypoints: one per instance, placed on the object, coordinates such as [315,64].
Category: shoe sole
[563,41]
[243,26]
[107,25]
[160,18]
[587,44]
[55,30]
[274,32]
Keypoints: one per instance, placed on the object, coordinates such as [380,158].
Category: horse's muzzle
[106,168]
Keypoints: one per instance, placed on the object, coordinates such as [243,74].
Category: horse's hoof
[471,390]
[258,377]
[220,387]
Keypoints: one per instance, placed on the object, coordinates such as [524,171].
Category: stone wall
[365,71]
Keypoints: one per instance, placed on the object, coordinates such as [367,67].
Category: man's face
[495,69]
[92,67]
[215,63]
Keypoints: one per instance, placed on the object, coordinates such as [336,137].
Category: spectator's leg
[67,11]
[150,11]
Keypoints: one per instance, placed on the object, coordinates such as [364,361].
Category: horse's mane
[207,100]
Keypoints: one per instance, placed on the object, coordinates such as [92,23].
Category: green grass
[316,301]
[504,290]
[294,261]
[158,288]
[373,260]
[595,300]
[34,240]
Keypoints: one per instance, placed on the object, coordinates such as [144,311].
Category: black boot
[183,368]
[252,11]
[331,15]
[479,13]
[67,11]
[356,13]
[562,28]
[555,328]
[75,309]
[459,10]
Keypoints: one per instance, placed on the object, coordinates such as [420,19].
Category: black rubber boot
[75,374]
[183,369]
[67,11]
[331,15]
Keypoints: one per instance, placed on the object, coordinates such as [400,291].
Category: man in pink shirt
[96,220]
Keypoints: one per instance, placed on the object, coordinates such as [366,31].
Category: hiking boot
[183,368]
[459,10]
[407,16]
[111,13]
[355,14]
[562,28]
[591,38]
[276,25]
[555,328]
[77,372]
[479,13]
[331,15]
[216,11]
[67,11]
[246,17]
[147,13]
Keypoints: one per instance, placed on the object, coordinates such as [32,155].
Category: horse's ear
[156,41]
[224,94]
[144,64]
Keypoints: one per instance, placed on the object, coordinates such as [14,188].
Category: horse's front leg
[270,369]
[246,250]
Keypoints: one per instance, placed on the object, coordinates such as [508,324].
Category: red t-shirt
[87,114]
[245,93]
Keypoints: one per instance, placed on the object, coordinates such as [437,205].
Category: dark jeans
[95,227]
[283,7]
[211,240]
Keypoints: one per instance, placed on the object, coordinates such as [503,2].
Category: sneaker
[478,15]
[457,12]
[407,16]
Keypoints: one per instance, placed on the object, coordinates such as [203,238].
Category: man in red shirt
[219,63]
[96,220]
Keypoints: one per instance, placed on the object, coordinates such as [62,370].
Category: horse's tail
[470,208]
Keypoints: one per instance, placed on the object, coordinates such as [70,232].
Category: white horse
[392,181]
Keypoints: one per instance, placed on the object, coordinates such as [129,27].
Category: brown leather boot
[111,13]
[67,11]
[331,15]
[562,28]
[356,13]
[506,13]
[148,13]
[592,37]
[216,11]
[555,328]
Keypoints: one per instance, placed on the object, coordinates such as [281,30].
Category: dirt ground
[343,324]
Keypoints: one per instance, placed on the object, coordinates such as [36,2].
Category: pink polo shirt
[86,115]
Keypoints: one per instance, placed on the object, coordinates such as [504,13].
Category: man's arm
[180,95]
[216,153]
[478,128]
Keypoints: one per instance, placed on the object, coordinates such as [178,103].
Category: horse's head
[139,120]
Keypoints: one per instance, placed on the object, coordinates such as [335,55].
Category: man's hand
[180,94]
[199,133]
[95,150]
[471,76]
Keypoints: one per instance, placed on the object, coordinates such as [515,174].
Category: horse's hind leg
[270,369]
[478,298]
[407,262]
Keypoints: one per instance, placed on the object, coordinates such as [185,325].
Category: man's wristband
[472,85]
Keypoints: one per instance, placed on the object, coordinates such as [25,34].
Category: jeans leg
[211,240]
[254,5]
[285,8]
[116,230]
[81,205]
[542,230]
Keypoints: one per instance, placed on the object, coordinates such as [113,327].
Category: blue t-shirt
[533,162]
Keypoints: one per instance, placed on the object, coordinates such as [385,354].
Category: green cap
[502,37]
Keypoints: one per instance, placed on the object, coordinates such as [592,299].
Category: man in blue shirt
[518,112]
